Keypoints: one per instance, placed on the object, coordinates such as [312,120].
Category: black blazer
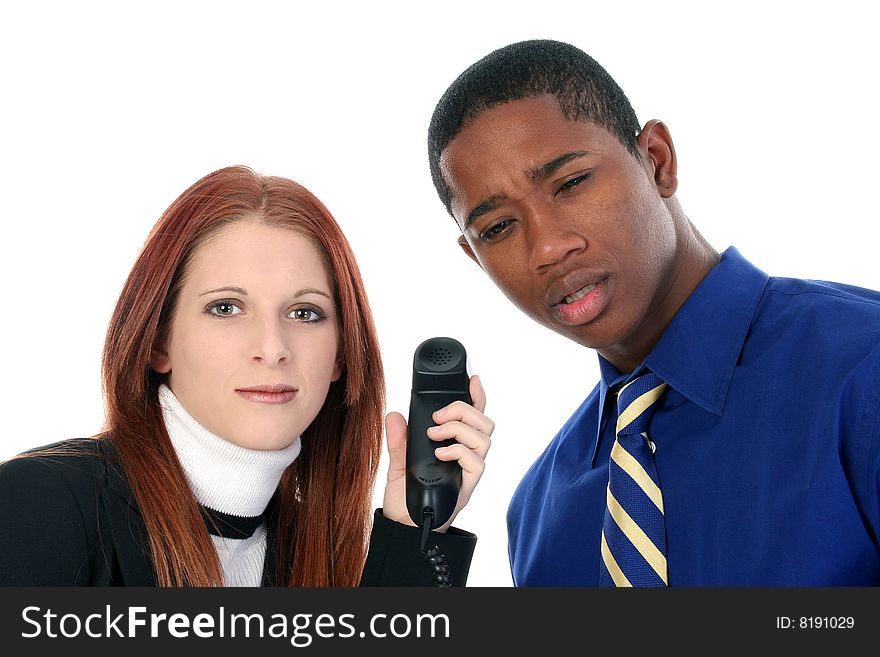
[73,521]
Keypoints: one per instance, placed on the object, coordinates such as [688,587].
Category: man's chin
[597,334]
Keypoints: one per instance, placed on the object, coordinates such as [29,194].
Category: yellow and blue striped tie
[634,530]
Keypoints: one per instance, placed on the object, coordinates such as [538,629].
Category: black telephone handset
[440,377]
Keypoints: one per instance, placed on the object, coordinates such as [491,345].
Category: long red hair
[323,510]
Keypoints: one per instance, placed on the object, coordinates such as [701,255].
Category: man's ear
[159,360]
[462,242]
[658,156]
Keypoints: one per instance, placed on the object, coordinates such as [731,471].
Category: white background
[109,111]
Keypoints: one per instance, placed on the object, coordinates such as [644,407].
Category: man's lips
[275,393]
[574,286]
[584,305]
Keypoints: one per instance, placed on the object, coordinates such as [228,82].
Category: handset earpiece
[440,376]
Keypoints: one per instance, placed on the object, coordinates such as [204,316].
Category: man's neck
[694,261]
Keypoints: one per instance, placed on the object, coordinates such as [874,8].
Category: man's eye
[574,182]
[223,309]
[307,314]
[494,230]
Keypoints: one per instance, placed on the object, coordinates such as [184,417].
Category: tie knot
[636,402]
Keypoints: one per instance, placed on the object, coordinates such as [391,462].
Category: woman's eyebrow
[312,290]
[228,288]
[243,292]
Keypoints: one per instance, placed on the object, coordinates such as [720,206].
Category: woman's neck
[222,475]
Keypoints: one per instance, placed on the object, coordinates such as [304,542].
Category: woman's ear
[338,366]
[658,156]
[159,360]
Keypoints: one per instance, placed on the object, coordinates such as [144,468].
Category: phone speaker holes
[440,356]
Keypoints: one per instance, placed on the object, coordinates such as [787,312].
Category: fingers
[466,413]
[467,425]
[478,395]
[471,431]
[395,433]
[471,461]
[463,423]
[469,436]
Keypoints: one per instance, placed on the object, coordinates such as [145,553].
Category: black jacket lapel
[123,529]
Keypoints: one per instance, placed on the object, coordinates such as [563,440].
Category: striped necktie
[634,530]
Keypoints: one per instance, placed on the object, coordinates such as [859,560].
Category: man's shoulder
[581,428]
[586,415]
[821,315]
[825,294]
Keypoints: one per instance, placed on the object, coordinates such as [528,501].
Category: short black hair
[583,88]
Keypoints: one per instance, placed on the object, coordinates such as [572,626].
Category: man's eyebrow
[537,174]
[484,206]
[544,171]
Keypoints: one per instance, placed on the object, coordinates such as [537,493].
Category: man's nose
[551,239]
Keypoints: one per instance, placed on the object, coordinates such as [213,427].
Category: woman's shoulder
[76,466]
[50,501]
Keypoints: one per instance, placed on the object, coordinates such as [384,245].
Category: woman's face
[253,342]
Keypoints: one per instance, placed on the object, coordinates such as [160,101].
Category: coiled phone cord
[435,558]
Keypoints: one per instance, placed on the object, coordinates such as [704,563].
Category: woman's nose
[270,343]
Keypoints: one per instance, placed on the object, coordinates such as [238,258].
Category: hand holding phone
[462,426]
[440,377]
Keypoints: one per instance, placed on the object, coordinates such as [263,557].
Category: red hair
[324,502]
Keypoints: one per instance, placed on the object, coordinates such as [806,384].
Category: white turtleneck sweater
[228,478]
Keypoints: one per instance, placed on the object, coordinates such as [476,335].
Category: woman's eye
[494,230]
[223,309]
[306,314]
[574,182]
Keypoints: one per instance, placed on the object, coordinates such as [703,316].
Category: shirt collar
[223,476]
[698,351]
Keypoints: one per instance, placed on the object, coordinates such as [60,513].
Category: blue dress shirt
[768,444]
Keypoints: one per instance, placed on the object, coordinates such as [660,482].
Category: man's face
[565,220]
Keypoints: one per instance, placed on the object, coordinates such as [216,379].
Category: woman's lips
[269,394]
[584,305]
